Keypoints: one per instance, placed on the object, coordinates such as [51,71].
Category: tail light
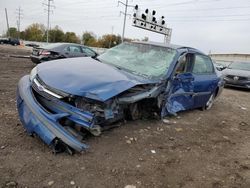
[44,52]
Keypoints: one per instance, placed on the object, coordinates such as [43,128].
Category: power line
[212,20]
[206,9]
[126,5]
[49,6]
[19,14]
[210,16]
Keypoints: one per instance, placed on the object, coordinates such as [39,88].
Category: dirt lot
[197,149]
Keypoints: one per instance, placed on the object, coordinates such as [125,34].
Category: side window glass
[88,51]
[73,49]
[67,49]
[202,65]
[182,65]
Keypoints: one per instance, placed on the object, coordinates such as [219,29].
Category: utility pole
[126,5]
[49,6]
[19,13]
[111,36]
[8,27]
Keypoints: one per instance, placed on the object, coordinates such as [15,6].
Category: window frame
[88,49]
[66,49]
[210,60]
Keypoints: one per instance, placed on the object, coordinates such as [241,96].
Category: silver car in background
[237,74]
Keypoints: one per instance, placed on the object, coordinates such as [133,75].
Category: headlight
[33,73]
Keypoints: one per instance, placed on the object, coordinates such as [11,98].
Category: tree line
[37,32]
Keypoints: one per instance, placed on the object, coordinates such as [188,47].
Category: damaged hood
[88,78]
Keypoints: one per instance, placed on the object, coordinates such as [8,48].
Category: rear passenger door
[74,51]
[205,79]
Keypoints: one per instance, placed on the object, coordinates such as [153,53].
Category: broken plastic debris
[243,108]
[130,186]
[50,183]
[128,141]
[178,129]
[153,151]
[166,121]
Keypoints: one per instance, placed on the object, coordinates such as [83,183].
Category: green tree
[71,37]
[89,39]
[56,34]
[109,41]
[35,32]
[12,32]
[22,35]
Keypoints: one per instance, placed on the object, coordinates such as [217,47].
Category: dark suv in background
[11,41]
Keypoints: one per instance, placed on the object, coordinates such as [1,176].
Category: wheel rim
[210,102]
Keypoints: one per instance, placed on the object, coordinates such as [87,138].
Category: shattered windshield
[145,60]
[240,66]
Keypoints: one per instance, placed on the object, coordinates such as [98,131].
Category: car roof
[59,45]
[168,45]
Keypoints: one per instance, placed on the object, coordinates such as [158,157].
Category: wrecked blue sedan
[63,101]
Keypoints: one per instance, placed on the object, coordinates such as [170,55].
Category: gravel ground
[196,149]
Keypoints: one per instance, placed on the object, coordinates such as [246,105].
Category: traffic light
[148,20]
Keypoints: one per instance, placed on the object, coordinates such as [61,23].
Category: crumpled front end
[53,120]
[63,120]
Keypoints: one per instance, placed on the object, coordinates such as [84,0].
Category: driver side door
[181,86]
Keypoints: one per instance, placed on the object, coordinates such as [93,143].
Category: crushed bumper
[46,125]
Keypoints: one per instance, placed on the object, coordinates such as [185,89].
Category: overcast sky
[219,26]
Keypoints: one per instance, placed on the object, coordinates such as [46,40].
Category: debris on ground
[243,108]
[171,138]
[50,183]
[128,142]
[2,147]
[130,186]
[11,184]
[179,129]
[166,121]
[153,151]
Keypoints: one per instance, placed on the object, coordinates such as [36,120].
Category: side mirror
[220,68]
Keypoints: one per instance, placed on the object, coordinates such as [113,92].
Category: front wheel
[210,102]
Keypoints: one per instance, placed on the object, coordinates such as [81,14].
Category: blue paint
[88,78]
[94,80]
[36,120]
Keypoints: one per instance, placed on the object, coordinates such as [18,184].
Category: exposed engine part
[58,147]
[134,111]
[142,95]
[89,106]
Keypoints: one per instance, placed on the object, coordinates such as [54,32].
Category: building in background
[230,57]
